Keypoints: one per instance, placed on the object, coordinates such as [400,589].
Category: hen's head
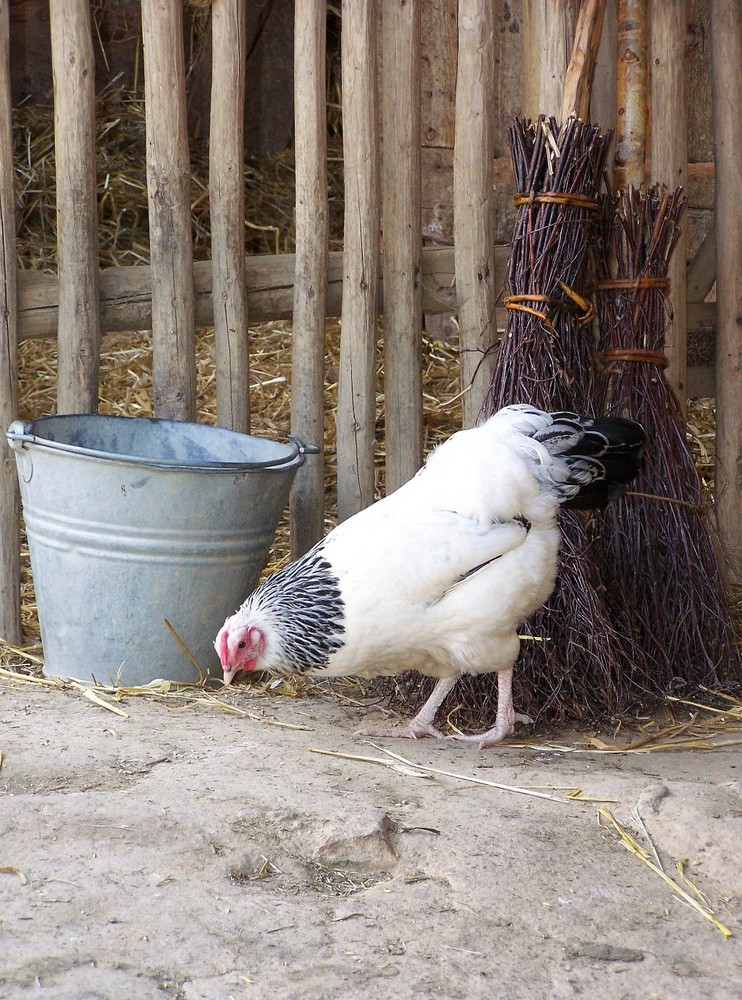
[240,646]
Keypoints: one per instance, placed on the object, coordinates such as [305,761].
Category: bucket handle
[16,435]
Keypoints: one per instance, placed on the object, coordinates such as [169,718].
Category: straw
[633,846]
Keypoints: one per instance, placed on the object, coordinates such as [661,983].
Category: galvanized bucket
[132,521]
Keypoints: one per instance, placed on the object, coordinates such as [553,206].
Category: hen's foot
[411,730]
[500,731]
[422,724]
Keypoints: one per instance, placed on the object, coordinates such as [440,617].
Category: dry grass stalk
[633,846]
[12,870]
[399,763]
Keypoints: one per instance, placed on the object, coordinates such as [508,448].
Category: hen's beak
[222,648]
[229,675]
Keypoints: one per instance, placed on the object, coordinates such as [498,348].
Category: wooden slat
[549,34]
[631,93]
[702,269]
[168,193]
[403,407]
[670,163]
[77,207]
[578,79]
[726,50]
[438,72]
[357,382]
[227,204]
[10,507]
[310,288]
[473,200]
[603,97]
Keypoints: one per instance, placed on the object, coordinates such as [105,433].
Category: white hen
[438,576]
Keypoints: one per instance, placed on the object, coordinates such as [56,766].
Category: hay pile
[126,358]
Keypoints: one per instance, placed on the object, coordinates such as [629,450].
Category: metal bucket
[132,521]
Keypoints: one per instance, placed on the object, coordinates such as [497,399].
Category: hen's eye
[241,644]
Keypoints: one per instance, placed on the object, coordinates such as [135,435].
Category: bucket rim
[20,435]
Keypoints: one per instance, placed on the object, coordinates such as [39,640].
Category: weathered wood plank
[473,199]
[227,205]
[726,54]
[702,269]
[603,97]
[438,72]
[168,193]
[306,503]
[550,32]
[670,162]
[403,410]
[126,292]
[10,505]
[77,207]
[357,381]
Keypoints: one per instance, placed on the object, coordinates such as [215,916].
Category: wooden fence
[172,296]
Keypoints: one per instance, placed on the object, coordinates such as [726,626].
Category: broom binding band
[638,354]
[557,198]
[517,302]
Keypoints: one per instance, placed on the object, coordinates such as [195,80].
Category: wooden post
[402,242]
[168,192]
[473,202]
[10,505]
[670,163]
[578,79]
[549,36]
[726,55]
[227,202]
[356,410]
[306,503]
[77,207]
[631,93]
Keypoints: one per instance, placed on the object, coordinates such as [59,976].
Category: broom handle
[578,80]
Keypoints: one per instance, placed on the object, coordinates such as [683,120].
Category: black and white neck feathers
[304,603]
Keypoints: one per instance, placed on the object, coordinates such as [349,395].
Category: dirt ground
[187,852]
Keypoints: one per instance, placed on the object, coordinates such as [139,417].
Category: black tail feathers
[604,457]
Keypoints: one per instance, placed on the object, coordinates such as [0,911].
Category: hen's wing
[417,556]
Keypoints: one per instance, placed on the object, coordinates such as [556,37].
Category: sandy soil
[186,852]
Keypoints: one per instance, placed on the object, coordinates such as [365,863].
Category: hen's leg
[422,724]
[504,720]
